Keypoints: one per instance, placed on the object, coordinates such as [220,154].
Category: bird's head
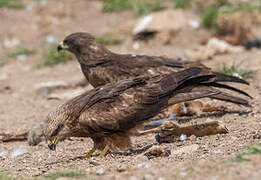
[56,128]
[75,42]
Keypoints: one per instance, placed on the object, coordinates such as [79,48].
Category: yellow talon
[89,154]
[104,151]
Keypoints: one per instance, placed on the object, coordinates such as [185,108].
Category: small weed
[65,174]
[52,57]
[107,39]
[234,70]
[22,51]
[3,62]
[182,4]
[15,4]
[5,176]
[240,158]
[139,6]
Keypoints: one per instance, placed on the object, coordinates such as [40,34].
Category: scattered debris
[3,153]
[183,137]
[222,47]
[9,43]
[214,46]
[148,177]
[161,24]
[157,151]
[146,164]
[19,152]
[252,43]
[100,171]
[9,137]
[193,137]
[35,135]
[185,150]
[50,39]
[156,123]
[169,131]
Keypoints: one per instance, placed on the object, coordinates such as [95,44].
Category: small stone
[3,77]
[193,137]
[19,152]
[157,151]
[22,57]
[3,153]
[185,150]
[136,46]
[183,137]
[146,164]
[148,177]
[100,171]
[141,158]
[133,178]
[95,163]
[50,39]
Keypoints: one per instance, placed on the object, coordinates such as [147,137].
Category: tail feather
[226,78]
[181,97]
[224,86]
[230,98]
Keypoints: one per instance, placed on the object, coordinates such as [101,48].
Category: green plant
[5,176]
[22,51]
[182,4]
[240,158]
[15,4]
[65,174]
[235,70]
[107,39]
[52,57]
[209,19]
[139,6]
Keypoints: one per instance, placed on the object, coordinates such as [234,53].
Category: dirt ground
[21,107]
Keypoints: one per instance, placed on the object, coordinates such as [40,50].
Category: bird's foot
[89,154]
[104,151]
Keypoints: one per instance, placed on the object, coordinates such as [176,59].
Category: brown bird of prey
[101,66]
[110,114]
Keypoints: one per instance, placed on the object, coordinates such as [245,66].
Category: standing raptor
[110,114]
[101,66]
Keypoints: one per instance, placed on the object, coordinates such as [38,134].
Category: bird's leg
[141,133]
[89,154]
[105,150]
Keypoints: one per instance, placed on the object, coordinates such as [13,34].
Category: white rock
[183,137]
[148,177]
[50,39]
[100,171]
[222,47]
[19,152]
[136,46]
[22,57]
[194,24]
[146,164]
[11,43]
[3,153]
[142,24]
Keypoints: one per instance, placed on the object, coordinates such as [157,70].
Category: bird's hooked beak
[61,46]
[52,144]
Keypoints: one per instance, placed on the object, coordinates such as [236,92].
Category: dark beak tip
[52,147]
[59,48]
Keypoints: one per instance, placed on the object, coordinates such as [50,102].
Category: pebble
[148,177]
[19,152]
[100,171]
[3,153]
[193,138]
[183,137]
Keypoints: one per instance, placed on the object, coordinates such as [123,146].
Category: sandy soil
[22,107]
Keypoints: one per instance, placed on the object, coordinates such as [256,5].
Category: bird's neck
[93,54]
